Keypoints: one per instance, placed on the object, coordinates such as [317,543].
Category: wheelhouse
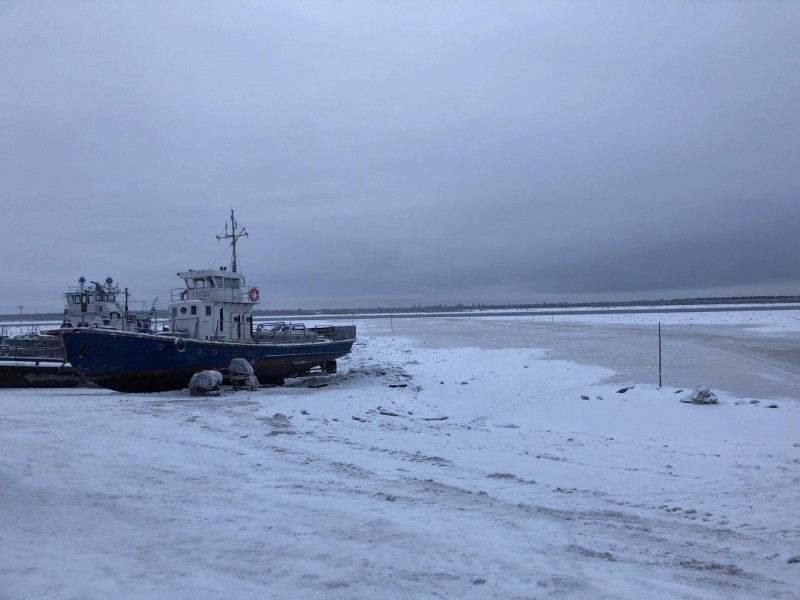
[214,304]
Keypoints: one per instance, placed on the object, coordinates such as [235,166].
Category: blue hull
[133,362]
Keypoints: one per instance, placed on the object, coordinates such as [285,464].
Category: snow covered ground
[449,457]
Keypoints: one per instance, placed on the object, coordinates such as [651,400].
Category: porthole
[199,350]
[183,310]
[161,346]
[214,352]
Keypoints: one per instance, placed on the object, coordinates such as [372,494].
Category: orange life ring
[184,294]
[254,295]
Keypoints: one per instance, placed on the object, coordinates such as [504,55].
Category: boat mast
[233,236]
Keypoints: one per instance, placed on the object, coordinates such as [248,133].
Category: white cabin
[215,304]
[95,304]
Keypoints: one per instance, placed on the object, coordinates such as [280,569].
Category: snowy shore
[471,458]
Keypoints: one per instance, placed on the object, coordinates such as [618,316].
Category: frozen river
[737,358]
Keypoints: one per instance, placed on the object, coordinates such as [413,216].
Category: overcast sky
[398,153]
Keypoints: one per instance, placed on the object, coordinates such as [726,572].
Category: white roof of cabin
[191,273]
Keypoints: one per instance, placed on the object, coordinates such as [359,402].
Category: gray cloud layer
[404,152]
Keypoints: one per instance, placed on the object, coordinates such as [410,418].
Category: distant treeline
[436,308]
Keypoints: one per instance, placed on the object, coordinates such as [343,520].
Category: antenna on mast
[233,236]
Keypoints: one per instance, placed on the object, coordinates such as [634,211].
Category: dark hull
[38,376]
[130,362]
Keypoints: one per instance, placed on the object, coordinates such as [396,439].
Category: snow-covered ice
[470,458]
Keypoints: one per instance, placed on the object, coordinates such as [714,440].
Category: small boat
[35,359]
[210,324]
[96,305]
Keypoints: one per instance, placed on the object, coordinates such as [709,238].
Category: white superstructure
[95,304]
[215,304]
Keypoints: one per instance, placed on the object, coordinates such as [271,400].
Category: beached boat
[210,324]
[35,358]
[96,305]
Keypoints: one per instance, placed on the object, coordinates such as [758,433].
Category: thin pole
[234,237]
[659,354]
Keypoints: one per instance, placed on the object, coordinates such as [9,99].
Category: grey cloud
[398,153]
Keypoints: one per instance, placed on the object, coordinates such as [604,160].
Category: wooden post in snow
[659,354]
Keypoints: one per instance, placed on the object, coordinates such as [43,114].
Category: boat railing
[26,348]
[279,326]
[280,332]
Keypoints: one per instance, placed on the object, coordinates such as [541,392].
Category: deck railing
[243,294]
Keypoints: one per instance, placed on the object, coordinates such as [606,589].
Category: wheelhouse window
[194,309]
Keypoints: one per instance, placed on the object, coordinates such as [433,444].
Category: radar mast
[234,237]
